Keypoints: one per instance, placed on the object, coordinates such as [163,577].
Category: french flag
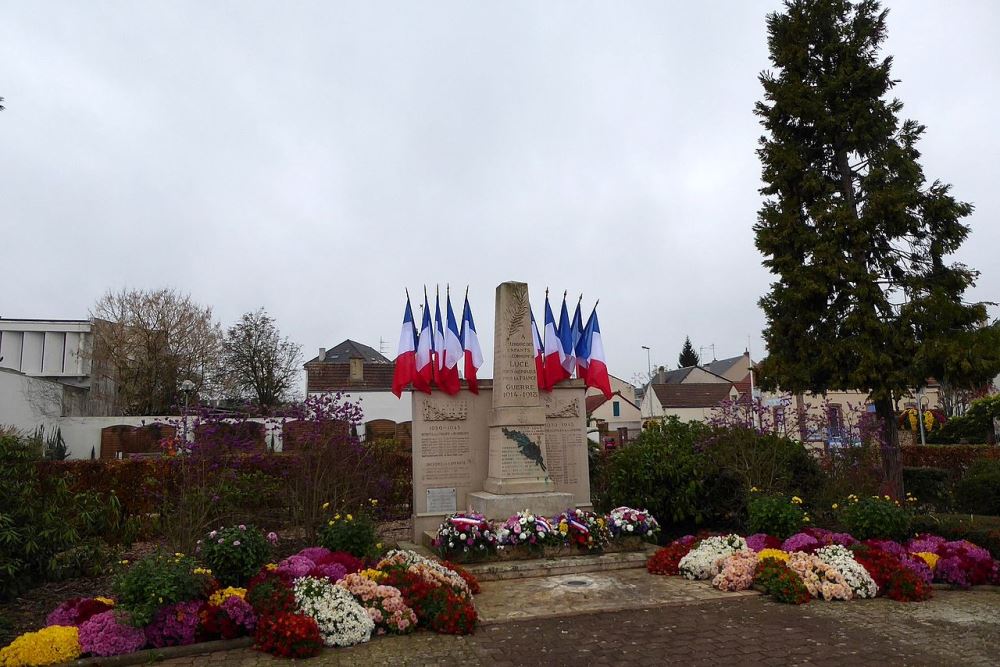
[425,347]
[405,371]
[565,333]
[577,327]
[451,353]
[536,341]
[470,347]
[592,352]
[437,341]
[553,351]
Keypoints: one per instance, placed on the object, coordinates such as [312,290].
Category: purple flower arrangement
[174,625]
[104,635]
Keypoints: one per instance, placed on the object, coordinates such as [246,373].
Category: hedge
[956,458]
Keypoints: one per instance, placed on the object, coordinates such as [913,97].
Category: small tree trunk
[892,466]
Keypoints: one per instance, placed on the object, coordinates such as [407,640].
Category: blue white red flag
[577,327]
[592,349]
[437,342]
[405,371]
[451,353]
[425,347]
[536,341]
[565,332]
[553,352]
[470,347]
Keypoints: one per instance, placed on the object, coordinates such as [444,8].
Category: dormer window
[357,370]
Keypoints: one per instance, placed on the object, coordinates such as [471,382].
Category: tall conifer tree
[864,295]
[687,357]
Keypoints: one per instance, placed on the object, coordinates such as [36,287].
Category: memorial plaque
[443,500]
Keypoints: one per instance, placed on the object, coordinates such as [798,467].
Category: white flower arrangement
[341,620]
[705,560]
[854,573]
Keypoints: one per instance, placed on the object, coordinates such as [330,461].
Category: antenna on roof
[381,345]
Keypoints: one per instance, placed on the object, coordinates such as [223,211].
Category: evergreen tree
[864,297]
[687,357]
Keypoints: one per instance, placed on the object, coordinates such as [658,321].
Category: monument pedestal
[501,506]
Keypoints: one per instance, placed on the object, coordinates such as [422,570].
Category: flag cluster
[569,347]
[431,357]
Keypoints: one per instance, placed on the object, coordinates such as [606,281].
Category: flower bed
[820,564]
[294,608]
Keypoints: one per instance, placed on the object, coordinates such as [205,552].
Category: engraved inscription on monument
[443,500]
[446,448]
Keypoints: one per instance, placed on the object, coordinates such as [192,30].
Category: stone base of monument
[500,507]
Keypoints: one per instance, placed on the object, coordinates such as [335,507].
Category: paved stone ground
[955,628]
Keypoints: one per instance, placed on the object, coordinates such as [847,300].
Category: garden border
[153,655]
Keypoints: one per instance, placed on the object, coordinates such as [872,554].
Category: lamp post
[920,414]
[649,379]
[186,388]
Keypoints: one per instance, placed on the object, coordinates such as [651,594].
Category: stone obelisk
[518,476]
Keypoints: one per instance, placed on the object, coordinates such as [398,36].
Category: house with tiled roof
[363,374]
[616,420]
[693,401]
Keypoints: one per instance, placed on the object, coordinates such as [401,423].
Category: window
[778,413]
[835,420]
[616,409]
[357,370]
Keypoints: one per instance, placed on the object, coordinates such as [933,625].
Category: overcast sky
[317,158]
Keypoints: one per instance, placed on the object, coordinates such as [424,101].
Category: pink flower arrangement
[821,580]
[240,612]
[801,542]
[75,611]
[174,625]
[103,635]
[761,541]
[384,604]
[321,563]
[737,571]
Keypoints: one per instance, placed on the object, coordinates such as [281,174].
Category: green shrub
[353,532]
[662,472]
[775,515]
[154,581]
[44,528]
[875,518]
[978,492]
[235,554]
[930,486]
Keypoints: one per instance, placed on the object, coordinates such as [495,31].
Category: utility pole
[649,379]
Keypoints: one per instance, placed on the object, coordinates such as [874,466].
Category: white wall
[26,402]
[380,405]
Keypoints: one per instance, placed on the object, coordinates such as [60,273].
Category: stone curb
[157,654]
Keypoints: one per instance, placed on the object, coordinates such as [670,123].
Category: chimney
[322,354]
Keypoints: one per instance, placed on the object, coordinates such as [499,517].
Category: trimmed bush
[930,486]
[775,515]
[875,518]
[978,492]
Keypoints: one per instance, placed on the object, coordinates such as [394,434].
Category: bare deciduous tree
[260,365]
[147,342]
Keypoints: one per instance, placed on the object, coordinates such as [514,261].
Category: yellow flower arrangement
[834,506]
[48,646]
[325,506]
[202,570]
[373,575]
[108,601]
[772,553]
[271,567]
[928,557]
[350,518]
[796,500]
[223,594]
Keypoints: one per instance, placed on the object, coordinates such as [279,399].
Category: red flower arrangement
[269,593]
[881,564]
[469,578]
[776,579]
[437,607]
[665,560]
[288,635]
[905,586]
